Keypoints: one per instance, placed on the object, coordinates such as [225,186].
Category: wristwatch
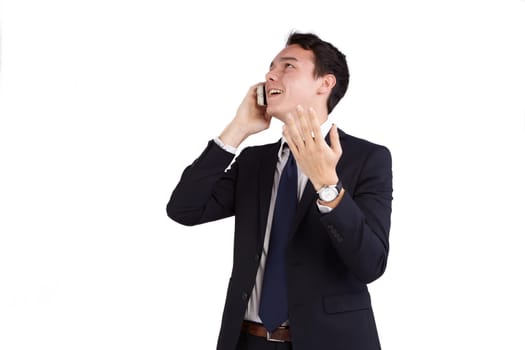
[330,192]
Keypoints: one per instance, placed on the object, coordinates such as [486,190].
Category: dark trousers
[252,342]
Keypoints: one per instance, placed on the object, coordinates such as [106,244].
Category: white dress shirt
[252,310]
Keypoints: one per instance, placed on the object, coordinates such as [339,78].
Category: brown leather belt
[281,334]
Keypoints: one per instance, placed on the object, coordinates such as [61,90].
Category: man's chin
[276,114]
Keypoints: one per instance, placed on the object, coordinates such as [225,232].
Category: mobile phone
[261,95]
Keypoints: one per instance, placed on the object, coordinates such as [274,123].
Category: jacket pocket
[334,304]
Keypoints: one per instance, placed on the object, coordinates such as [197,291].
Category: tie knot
[286,150]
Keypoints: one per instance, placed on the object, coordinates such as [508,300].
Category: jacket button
[256,257]
[244,296]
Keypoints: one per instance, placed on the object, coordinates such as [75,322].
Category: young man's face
[290,82]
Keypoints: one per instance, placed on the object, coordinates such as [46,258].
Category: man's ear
[328,81]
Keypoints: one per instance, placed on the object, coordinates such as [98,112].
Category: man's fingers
[314,125]
[310,128]
[304,124]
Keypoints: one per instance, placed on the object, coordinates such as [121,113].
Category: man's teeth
[275,91]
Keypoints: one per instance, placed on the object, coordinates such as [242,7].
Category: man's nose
[271,76]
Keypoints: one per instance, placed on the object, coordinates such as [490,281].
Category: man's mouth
[273,92]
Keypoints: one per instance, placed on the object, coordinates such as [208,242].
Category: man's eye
[289,65]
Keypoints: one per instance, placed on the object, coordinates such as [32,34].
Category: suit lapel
[266,172]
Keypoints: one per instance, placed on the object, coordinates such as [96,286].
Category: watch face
[328,194]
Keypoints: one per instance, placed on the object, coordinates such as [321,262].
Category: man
[312,211]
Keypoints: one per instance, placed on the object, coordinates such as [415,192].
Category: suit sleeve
[359,226]
[205,192]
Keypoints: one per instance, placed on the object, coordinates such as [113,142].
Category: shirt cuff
[224,146]
[323,208]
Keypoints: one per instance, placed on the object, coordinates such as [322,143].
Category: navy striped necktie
[273,308]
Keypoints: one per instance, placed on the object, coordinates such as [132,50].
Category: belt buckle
[269,338]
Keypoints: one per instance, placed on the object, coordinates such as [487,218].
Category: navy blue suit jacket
[330,257]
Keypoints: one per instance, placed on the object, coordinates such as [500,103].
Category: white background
[104,103]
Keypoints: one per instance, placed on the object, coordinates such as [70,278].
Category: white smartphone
[261,95]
